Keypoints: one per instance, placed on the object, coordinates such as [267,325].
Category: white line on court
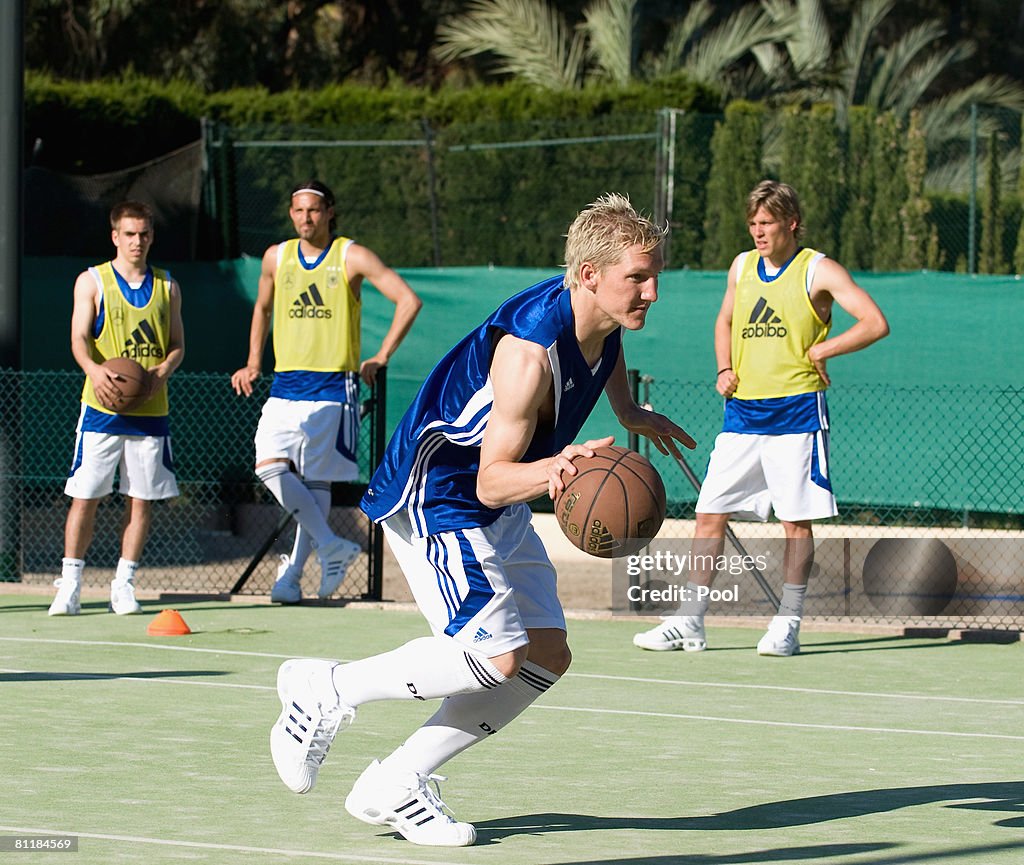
[679,682]
[630,712]
[242,848]
[760,723]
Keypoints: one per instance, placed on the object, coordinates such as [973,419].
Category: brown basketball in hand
[132,381]
[614,505]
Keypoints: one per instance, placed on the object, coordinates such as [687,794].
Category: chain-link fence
[223,533]
[906,462]
[504,193]
[912,466]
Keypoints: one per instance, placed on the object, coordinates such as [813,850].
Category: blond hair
[603,231]
[779,199]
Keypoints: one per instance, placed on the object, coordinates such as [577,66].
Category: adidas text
[309,312]
[756,330]
[135,351]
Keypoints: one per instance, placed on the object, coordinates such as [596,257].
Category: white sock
[695,604]
[423,669]
[466,719]
[297,500]
[303,546]
[71,569]
[792,603]
[125,572]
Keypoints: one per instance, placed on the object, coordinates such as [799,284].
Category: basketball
[132,381]
[613,505]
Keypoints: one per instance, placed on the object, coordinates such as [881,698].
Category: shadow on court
[1000,797]
[821,853]
[41,676]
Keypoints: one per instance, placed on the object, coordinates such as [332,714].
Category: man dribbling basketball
[491,428]
[771,345]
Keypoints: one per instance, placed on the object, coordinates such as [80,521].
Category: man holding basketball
[123,308]
[491,428]
[772,344]
[311,287]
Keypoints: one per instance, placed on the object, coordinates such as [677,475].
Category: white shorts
[143,462]
[749,475]
[483,587]
[320,438]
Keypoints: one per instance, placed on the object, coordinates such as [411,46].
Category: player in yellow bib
[311,289]
[772,343]
[124,308]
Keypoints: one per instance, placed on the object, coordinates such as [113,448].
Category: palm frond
[867,16]
[728,42]
[529,38]
[912,87]
[897,59]
[680,34]
[609,26]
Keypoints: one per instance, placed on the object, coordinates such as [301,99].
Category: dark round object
[910,576]
[614,505]
[132,381]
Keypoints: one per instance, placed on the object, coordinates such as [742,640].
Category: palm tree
[896,77]
[531,40]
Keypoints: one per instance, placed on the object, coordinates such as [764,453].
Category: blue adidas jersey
[431,463]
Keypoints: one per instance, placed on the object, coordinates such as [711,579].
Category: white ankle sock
[466,719]
[297,500]
[423,669]
[71,569]
[792,603]
[126,570]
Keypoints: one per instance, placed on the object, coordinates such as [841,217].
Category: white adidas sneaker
[67,602]
[675,632]
[410,803]
[782,638]
[335,559]
[311,716]
[122,599]
[287,589]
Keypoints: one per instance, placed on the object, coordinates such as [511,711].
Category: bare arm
[175,344]
[726,380]
[83,318]
[832,281]
[521,380]
[259,329]
[658,428]
[362,262]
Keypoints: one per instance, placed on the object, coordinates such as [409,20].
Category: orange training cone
[169,623]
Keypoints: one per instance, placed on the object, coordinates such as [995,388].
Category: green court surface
[864,750]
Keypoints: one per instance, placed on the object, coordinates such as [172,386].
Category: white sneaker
[406,802]
[311,716]
[334,561]
[676,632]
[782,639]
[67,601]
[122,599]
[287,589]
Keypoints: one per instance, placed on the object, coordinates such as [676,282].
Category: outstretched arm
[663,432]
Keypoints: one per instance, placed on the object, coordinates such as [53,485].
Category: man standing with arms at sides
[311,287]
[491,428]
[771,346]
[125,308]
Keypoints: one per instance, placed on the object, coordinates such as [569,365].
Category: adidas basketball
[614,505]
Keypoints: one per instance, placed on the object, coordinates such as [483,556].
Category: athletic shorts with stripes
[483,587]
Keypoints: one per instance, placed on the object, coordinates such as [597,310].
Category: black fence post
[633,377]
[378,441]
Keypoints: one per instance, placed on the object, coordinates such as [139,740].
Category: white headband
[307,189]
